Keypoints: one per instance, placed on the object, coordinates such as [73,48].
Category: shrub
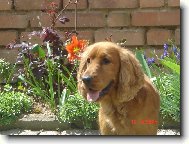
[6,70]
[165,74]
[75,109]
[168,81]
[168,86]
[12,105]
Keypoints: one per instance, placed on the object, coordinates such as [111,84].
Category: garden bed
[42,124]
[49,122]
[168,123]
[37,122]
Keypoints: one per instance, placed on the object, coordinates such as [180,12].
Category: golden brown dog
[112,76]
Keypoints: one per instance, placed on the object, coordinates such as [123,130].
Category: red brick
[162,18]
[7,37]
[174,3]
[82,4]
[13,21]
[86,35]
[151,49]
[39,20]
[34,39]
[33,4]
[99,4]
[5,4]
[151,3]
[133,37]
[118,19]
[91,19]
[177,36]
[9,55]
[158,36]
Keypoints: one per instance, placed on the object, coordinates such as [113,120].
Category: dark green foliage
[12,105]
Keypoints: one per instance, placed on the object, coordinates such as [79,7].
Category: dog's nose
[87,79]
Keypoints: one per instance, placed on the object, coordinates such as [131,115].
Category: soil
[40,107]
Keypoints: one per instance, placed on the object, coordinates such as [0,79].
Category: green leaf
[173,66]
[48,49]
[145,67]
[35,48]
[41,53]
[21,78]
[38,49]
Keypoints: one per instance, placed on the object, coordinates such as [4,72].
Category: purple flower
[178,56]
[165,47]
[150,60]
[64,19]
[165,53]
[175,50]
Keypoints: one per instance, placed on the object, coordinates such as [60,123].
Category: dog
[113,77]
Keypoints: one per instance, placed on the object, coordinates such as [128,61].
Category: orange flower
[75,47]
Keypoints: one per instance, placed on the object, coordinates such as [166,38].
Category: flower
[165,47]
[175,50]
[178,56]
[165,52]
[75,47]
[150,60]
[63,20]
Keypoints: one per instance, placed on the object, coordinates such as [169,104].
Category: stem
[69,2]
[75,16]
[11,73]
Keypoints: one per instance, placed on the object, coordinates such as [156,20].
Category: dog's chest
[117,120]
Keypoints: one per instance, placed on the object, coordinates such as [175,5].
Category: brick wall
[144,23]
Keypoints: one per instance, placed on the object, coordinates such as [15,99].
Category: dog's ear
[131,76]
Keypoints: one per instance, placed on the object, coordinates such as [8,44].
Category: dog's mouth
[94,95]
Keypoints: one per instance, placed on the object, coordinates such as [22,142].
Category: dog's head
[106,69]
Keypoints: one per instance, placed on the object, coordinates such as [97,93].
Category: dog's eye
[88,60]
[105,61]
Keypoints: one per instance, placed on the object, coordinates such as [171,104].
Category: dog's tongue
[93,96]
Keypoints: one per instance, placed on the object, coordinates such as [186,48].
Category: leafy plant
[170,83]
[75,109]
[169,63]
[165,72]
[46,68]
[140,56]
[12,105]
[168,86]
[6,70]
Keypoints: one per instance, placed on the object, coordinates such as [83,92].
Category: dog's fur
[131,96]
